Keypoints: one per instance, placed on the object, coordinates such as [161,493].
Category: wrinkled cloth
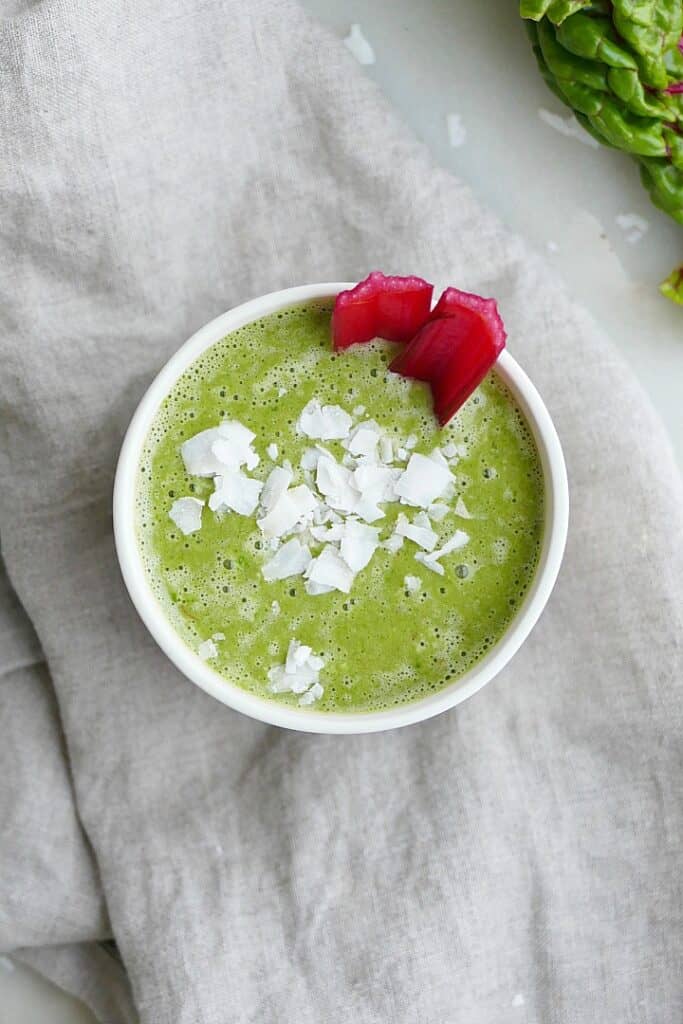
[515,859]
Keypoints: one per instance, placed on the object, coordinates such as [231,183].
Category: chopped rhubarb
[454,350]
[393,308]
[452,301]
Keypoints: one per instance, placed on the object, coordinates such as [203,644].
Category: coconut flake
[233,447]
[292,559]
[386,448]
[297,656]
[376,485]
[299,674]
[358,45]
[393,543]
[437,511]
[430,562]
[316,589]
[198,456]
[461,510]
[277,482]
[212,451]
[293,508]
[329,569]
[358,545]
[275,608]
[186,513]
[364,440]
[336,483]
[327,422]
[425,479]
[272,451]
[310,459]
[412,583]
[236,491]
[315,693]
[419,532]
[304,501]
[457,541]
[207,650]
[325,534]
[281,681]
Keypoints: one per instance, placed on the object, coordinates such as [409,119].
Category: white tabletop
[581,206]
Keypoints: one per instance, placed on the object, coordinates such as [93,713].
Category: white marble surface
[470,58]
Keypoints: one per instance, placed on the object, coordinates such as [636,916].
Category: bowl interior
[200,673]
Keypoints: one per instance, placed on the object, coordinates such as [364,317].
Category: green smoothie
[411,620]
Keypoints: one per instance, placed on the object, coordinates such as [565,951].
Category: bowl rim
[305,719]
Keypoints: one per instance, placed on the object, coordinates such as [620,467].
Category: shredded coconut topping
[322,529]
[186,513]
[327,422]
[207,650]
[300,674]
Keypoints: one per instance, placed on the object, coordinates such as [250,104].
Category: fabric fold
[161,163]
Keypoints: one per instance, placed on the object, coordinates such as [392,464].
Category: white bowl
[307,720]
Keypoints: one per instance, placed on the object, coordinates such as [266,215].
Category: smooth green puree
[383,644]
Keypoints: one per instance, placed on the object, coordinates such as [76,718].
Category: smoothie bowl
[327,544]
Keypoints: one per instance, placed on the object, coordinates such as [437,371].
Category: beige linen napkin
[515,860]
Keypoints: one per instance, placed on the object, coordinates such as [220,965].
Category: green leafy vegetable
[618,64]
[673,286]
